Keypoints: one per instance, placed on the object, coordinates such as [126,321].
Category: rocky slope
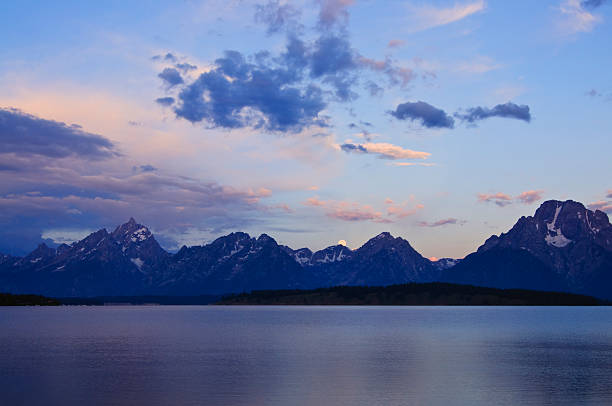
[563,246]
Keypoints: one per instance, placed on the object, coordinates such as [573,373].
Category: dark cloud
[374,89]
[592,3]
[428,115]
[277,17]
[507,110]
[283,92]
[144,168]
[168,57]
[239,94]
[593,93]
[332,55]
[47,193]
[22,133]
[165,101]
[186,67]
[440,223]
[354,148]
[171,76]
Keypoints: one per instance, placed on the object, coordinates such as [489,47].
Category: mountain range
[563,247]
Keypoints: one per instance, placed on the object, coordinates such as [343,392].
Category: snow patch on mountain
[554,236]
[138,262]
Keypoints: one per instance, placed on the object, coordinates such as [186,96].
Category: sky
[313,121]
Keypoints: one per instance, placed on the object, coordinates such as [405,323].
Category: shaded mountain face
[383,260]
[563,244]
[445,263]
[121,263]
[129,261]
[233,263]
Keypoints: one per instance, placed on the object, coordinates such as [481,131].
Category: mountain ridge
[563,246]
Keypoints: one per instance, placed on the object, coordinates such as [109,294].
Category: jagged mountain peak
[132,231]
[41,253]
[385,241]
[265,239]
[557,225]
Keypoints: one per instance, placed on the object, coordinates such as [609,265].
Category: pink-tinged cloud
[530,196]
[396,43]
[503,199]
[412,164]
[602,205]
[609,195]
[391,151]
[500,199]
[347,211]
[442,222]
[384,150]
[313,201]
[428,16]
[403,210]
[333,10]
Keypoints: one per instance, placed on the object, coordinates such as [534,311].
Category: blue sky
[312,121]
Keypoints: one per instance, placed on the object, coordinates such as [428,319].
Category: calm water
[305,355]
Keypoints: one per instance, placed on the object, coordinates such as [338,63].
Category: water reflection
[313,355]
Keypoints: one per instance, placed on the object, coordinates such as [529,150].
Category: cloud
[500,199]
[402,210]
[25,134]
[165,101]
[347,211]
[353,148]
[530,196]
[428,115]
[277,16]
[385,150]
[602,205]
[575,18]
[396,75]
[186,67]
[481,64]
[314,201]
[412,164]
[592,3]
[428,16]
[144,168]
[284,92]
[396,43]
[62,175]
[507,110]
[169,57]
[333,12]
[609,195]
[503,199]
[65,236]
[593,93]
[171,76]
[237,94]
[440,223]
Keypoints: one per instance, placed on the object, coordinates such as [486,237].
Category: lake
[213,355]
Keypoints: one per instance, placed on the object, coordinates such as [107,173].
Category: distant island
[411,294]
[7,299]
